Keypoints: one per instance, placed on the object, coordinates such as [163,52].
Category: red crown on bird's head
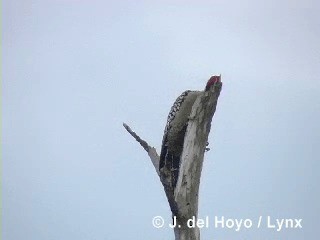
[212,81]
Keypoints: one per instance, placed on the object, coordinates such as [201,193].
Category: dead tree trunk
[183,200]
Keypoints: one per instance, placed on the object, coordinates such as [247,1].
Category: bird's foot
[207,149]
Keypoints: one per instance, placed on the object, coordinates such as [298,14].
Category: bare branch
[155,161]
[183,199]
[152,152]
[195,141]
[143,143]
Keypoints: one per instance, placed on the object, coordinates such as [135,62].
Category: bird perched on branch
[174,133]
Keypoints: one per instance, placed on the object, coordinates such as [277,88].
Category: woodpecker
[175,129]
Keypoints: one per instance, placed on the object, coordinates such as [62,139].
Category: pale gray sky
[74,70]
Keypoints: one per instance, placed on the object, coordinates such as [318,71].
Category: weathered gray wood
[186,193]
[152,152]
[183,200]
